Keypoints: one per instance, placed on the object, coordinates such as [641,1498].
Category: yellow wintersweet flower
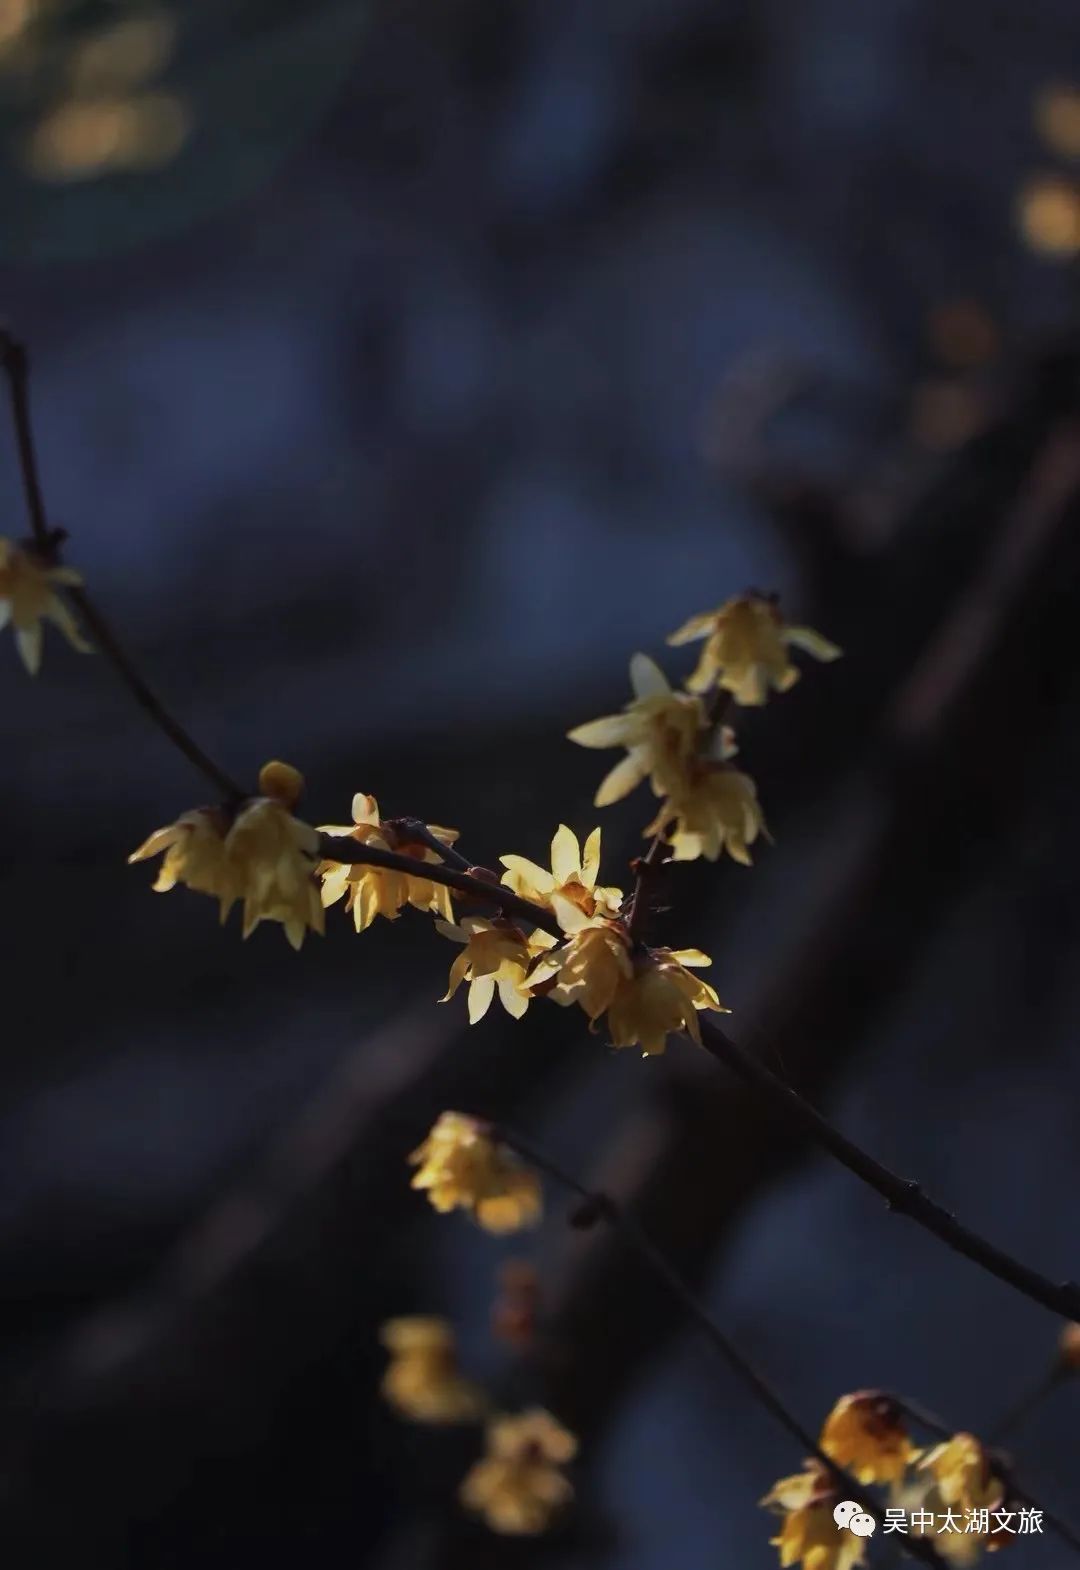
[865,1434]
[517,1486]
[923,1503]
[590,966]
[462,1167]
[808,1533]
[496,955]
[572,877]
[662,996]
[194,848]
[714,808]
[422,1380]
[273,857]
[746,649]
[660,729]
[1057,118]
[378,891]
[28,597]
[963,1475]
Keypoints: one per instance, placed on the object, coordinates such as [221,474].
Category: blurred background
[400,369]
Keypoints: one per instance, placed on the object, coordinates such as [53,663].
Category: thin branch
[1055,1376]
[415,830]
[903,1195]
[148,700]
[16,365]
[344,849]
[602,1207]
[646,868]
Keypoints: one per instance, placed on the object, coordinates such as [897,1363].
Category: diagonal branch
[600,1206]
[351,852]
[47,542]
[901,1194]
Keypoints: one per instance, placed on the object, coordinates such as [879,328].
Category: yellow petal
[565,854]
[28,643]
[696,627]
[365,809]
[525,873]
[621,780]
[569,916]
[514,1002]
[160,840]
[811,642]
[690,957]
[590,860]
[647,679]
[611,731]
[481,992]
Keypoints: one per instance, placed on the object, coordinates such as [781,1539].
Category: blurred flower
[963,1474]
[496,955]
[573,875]
[194,849]
[422,1380]
[714,807]
[1049,215]
[518,1487]
[378,891]
[15,19]
[462,1167]
[660,730]
[272,856]
[82,138]
[1057,119]
[123,54]
[590,967]
[1069,1347]
[865,1434]
[808,1533]
[746,648]
[28,597]
[962,334]
[513,1314]
[923,1503]
[662,996]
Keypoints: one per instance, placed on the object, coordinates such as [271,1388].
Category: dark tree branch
[47,542]
[903,1195]
[600,1206]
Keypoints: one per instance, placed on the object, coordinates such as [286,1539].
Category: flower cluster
[808,1532]
[679,742]
[557,933]
[518,1486]
[259,855]
[866,1436]
[28,598]
[380,891]
[461,1167]
[646,994]
[422,1380]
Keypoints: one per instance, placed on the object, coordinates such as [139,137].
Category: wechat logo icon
[848,1513]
